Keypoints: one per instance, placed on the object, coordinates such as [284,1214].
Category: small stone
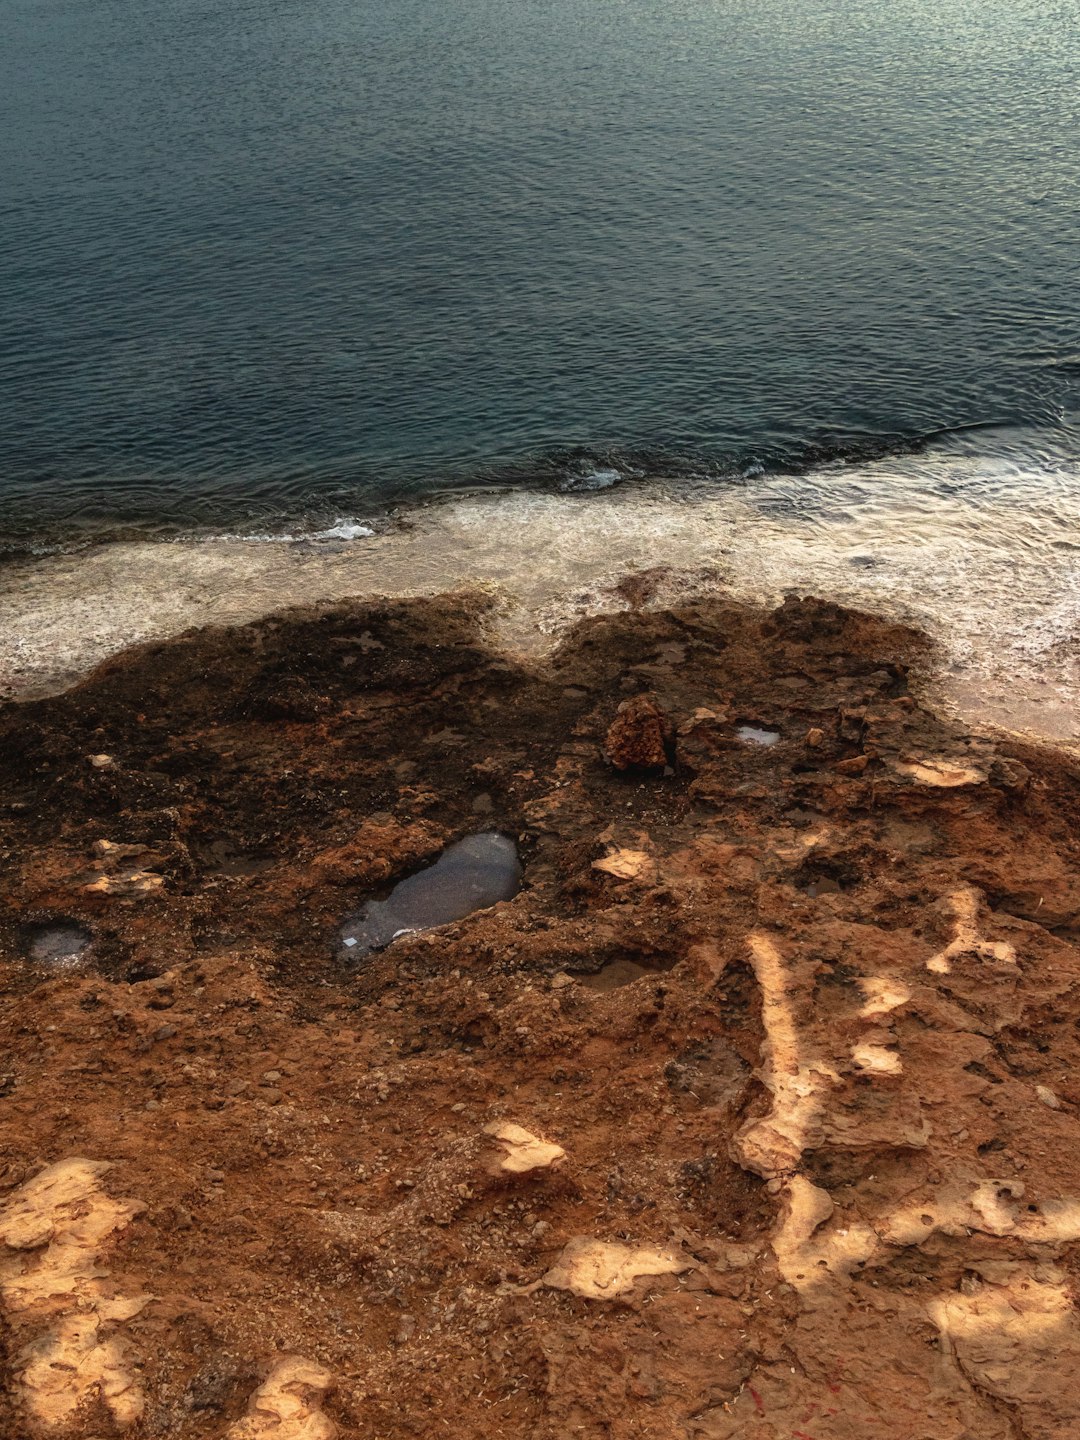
[271,1076]
[99,762]
[853,766]
[523,1151]
[627,865]
[1047,1096]
[130,882]
[636,739]
[815,737]
[272,1097]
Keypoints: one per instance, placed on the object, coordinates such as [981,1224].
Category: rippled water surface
[275,263]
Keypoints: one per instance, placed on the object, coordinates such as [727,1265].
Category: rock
[287,1406]
[627,865]
[853,766]
[940,772]
[636,739]
[131,882]
[524,1152]
[108,850]
[54,1231]
[815,737]
[604,1269]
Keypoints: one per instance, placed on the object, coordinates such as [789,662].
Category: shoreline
[1003,626]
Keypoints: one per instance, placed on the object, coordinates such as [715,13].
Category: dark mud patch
[58,945]
[614,976]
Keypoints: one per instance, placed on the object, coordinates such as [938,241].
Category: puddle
[469,875]
[751,735]
[59,947]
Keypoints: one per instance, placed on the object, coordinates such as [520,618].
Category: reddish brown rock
[809,1041]
[636,739]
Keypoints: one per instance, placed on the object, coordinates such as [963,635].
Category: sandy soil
[753,1114]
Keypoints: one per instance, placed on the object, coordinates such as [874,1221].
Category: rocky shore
[752,1114]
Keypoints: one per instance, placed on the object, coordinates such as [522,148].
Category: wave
[291,507]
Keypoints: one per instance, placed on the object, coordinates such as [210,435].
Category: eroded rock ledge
[753,1114]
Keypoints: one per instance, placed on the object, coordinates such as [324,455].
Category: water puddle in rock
[59,947]
[751,735]
[469,875]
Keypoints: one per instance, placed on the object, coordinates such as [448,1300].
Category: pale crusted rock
[883,994]
[523,1152]
[109,850]
[875,1057]
[992,1207]
[966,939]
[808,1254]
[287,1405]
[1019,1342]
[131,882]
[56,1224]
[940,772]
[627,865]
[604,1269]
[772,1146]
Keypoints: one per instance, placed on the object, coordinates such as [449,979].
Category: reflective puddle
[469,875]
[751,735]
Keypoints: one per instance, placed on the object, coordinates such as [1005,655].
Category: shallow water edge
[995,585]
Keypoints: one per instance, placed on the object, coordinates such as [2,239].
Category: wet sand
[996,588]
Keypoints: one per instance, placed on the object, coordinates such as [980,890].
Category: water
[274,266]
[470,875]
[752,735]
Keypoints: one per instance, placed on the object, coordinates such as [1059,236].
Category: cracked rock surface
[802,1162]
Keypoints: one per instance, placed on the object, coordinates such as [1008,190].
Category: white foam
[974,540]
[591,481]
[342,529]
